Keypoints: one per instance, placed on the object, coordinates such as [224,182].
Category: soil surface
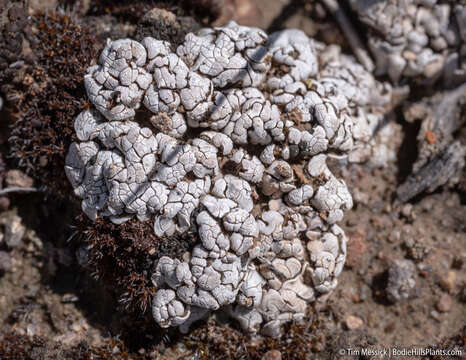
[404,284]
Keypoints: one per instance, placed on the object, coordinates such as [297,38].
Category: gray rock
[400,280]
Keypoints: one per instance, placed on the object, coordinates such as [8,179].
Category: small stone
[400,280]
[353,322]
[69,298]
[76,327]
[445,303]
[14,230]
[18,178]
[435,315]
[407,210]
[272,355]
[448,282]
[394,237]
[5,262]
[357,246]
[181,347]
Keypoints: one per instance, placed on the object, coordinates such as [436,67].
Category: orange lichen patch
[430,137]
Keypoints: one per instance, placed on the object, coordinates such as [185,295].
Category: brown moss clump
[129,11]
[454,343]
[212,341]
[205,11]
[123,256]
[165,25]
[45,96]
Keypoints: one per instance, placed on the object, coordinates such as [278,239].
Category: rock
[353,322]
[5,262]
[407,210]
[13,230]
[356,252]
[69,298]
[448,282]
[272,355]
[394,236]
[18,178]
[435,315]
[445,303]
[400,280]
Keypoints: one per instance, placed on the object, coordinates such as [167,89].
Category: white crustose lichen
[229,135]
[424,39]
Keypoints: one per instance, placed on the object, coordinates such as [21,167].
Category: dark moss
[128,11]
[212,341]
[454,343]
[44,97]
[204,11]
[165,25]
[122,256]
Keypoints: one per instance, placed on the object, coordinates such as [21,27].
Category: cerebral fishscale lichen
[416,39]
[241,128]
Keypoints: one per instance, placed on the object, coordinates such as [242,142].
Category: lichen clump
[228,137]
[421,39]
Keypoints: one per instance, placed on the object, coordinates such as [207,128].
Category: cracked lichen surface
[423,39]
[229,135]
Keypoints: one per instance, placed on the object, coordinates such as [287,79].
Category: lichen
[228,137]
[420,39]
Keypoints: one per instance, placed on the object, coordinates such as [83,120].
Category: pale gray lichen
[233,143]
[416,38]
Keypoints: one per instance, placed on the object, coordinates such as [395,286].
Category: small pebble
[394,237]
[14,230]
[357,248]
[181,347]
[445,303]
[435,315]
[448,282]
[272,355]
[407,210]
[353,322]
[18,178]
[401,280]
[69,298]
